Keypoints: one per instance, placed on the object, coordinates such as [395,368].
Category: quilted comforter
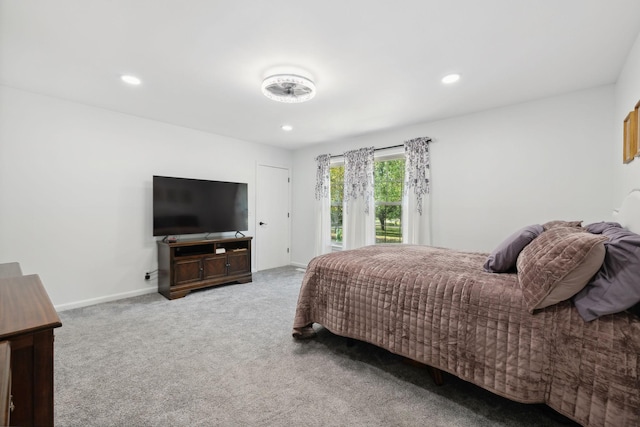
[439,307]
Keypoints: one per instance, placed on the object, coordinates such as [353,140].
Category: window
[388,178]
[388,181]
[336,191]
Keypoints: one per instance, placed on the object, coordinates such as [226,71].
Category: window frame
[394,153]
[335,162]
[384,158]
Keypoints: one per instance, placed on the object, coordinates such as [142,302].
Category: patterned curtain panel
[323,163]
[323,206]
[358,176]
[358,214]
[416,202]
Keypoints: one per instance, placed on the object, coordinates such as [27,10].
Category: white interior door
[272,217]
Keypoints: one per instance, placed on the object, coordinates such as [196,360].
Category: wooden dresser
[27,320]
[5,382]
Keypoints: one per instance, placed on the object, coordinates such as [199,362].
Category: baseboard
[107,298]
[114,297]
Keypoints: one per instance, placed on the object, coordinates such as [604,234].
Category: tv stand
[194,264]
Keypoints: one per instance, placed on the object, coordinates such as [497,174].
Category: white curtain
[359,210]
[323,206]
[416,205]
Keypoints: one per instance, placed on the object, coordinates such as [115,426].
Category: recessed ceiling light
[451,78]
[286,128]
[132,80]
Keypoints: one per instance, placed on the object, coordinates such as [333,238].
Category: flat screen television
[192,206]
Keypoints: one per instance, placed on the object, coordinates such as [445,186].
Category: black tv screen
[191,206]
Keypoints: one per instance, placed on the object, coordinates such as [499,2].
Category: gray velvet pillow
[616,286]
[558,223]
[503,258]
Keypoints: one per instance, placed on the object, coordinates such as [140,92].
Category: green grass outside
[391,234]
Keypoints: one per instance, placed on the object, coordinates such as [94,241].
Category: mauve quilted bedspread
[439,307]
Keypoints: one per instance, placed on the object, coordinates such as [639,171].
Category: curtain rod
[375,149]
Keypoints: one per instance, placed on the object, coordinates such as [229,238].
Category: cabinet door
[186,271]
[238,262]
[214,266]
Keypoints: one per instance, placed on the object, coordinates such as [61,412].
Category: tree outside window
[337,192]
[388,181]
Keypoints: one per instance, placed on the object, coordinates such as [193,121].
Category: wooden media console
[193,264]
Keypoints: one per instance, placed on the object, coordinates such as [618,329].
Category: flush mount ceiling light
[451,78]
[289,88]
[132,80]
[286,128]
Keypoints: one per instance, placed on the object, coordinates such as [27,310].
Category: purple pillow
[503,258]
[616,286]
[600,227]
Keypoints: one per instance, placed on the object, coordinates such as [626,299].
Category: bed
[516,334]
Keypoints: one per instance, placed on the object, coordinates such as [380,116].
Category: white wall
[627,94]
[495,171]
[75,191]
[75,181]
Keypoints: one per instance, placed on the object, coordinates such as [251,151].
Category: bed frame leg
[304,333]
[436,375]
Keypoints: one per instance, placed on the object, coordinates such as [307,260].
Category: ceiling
[376,64]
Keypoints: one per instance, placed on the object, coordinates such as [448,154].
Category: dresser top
[25,307]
